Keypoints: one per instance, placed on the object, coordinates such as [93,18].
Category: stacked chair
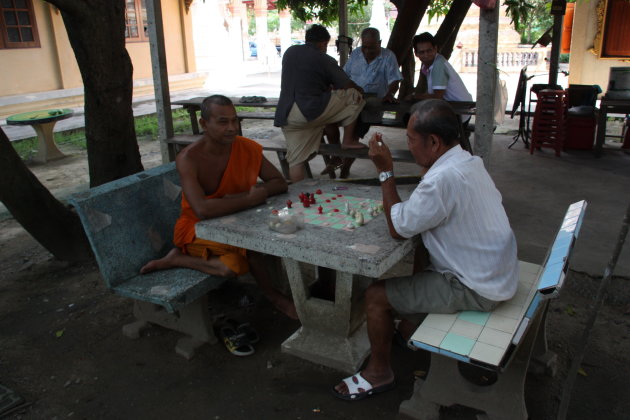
[549,126]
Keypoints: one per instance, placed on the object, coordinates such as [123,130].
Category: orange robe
[240,174]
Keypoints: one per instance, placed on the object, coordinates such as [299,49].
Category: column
[262,37]
[235,30]
[285,29]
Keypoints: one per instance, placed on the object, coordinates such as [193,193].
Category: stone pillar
[285,29]
[238,45]
[486,82]
[262,37]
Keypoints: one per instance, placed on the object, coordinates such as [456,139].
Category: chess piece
[320,209]
[289,203]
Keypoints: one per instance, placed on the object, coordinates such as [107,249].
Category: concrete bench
[129,222]
[177,142]
[501,343]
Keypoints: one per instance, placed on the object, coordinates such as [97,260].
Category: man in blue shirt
[373,68]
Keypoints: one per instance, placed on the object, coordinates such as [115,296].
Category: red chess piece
[312,200]
[306,204]
[339,195]
[328,201]
[289,203]
[336,210]
[318,192]
[320,209]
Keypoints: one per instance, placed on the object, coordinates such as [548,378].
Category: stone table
[333,333]
[43,123]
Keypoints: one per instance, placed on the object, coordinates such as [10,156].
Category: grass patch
[146,130]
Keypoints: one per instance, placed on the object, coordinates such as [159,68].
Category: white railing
[508,60]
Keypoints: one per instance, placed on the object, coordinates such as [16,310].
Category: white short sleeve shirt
[458,211]
[442,76]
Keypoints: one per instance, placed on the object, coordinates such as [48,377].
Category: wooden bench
[130,222]
[500,343]
[280,148]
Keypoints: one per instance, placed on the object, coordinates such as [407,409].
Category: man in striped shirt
[457,210]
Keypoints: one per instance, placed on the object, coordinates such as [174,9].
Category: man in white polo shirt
[443,82]
[457,210]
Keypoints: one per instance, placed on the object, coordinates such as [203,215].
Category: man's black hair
[423,37]
[317,33]
[436,116]
[213,100]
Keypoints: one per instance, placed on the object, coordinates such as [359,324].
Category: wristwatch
[384,176]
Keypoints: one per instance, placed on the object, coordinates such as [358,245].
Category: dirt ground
[62,349]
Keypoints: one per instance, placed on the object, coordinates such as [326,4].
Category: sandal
[244,328]
[236,343]
[359,388]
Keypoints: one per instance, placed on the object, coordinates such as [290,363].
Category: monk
[219,174]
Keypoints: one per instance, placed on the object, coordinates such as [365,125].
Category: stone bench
[501,343]
[130,222]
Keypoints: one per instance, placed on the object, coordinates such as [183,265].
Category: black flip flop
[236,342]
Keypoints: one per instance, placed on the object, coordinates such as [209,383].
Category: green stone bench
[130,222]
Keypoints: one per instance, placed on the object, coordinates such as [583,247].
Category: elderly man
[443,82]
[458,212]
[375,70]
[314,92]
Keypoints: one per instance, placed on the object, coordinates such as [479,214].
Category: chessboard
[338,211]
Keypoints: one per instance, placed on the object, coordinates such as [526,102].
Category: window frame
[604,30]
[142,37]
[4,37]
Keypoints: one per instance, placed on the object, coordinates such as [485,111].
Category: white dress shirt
[458,211]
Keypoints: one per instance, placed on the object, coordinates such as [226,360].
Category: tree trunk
[96,29]
[52,224]
[407,22]
[447,33]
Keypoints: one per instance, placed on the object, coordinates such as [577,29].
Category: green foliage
[564,58]
[438,8]
[531,18]
[326,12]
[518,11]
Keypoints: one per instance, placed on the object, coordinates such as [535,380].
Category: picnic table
[376,112]
[43,123]
[193,105]
[332,333]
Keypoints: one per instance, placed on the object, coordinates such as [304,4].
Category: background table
[332,333]
[43,123]
[613,106]
[193,105]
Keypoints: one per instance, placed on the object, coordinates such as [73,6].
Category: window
[17,24]
[136,21]
[613,29]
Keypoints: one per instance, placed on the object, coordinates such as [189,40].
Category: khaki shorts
[433,292]
[304,137]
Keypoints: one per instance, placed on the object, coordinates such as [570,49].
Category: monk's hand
[380,153]
[257,194]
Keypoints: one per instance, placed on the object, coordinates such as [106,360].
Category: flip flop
[359,388]
[244,328]
[236,343]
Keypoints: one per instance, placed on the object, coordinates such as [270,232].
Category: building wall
[585,67]
[53,66]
